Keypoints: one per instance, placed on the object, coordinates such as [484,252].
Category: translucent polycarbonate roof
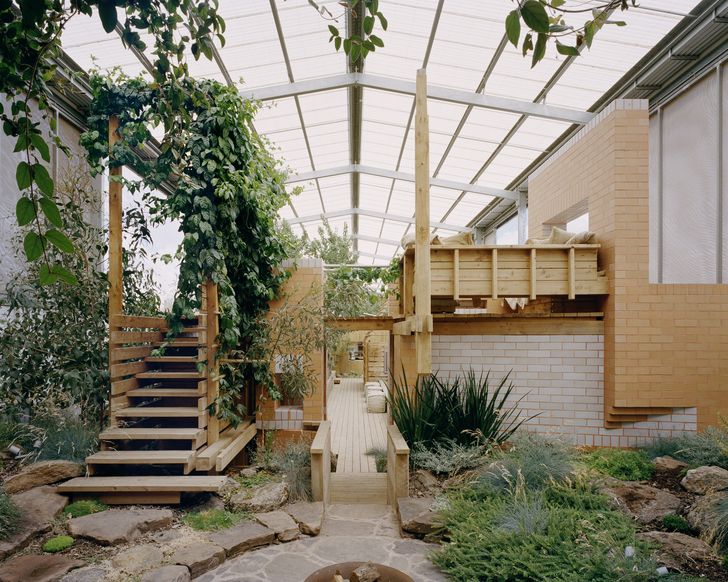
[278,44]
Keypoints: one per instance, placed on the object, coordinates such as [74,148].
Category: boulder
[705,479]
[43,473]
[242,537]
[199,557]
[167,574]
[669,466]
[249,472]
[676,549]
[701,515]
[118,526]
[308,515]
[87,574]
[138,559]
[425,482]
[280,522]
[416,515]
[266,498]
[643,502]
[38,507]
[34,568]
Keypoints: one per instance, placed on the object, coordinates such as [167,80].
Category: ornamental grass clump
[449,457]
[9,516]
[620,464]
[708,447]
[458,409]
[294,463]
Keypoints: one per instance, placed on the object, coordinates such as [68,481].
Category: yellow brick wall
[665,345]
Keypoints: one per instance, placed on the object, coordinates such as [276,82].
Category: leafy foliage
[380,458]
[65,437]
[84,507]
[213,519]
[449,457]
[294,462]
[58,544]
[709,447]
[9,516]
[460,409]
[54,341]
[620,464]
[30,44]
[227,190]
[677,523]
[365,15]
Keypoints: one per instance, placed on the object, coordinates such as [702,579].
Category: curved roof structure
[347,135]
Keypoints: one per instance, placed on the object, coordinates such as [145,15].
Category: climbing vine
[222,185]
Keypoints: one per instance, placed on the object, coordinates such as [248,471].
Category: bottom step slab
[358,488]
[140,490]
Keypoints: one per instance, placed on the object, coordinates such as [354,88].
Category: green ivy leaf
[376,40]
[63,274]
[33,245]
[513,27]
[40,144]
[50,209]
[43,179]
[46,276]
[527,44]
[32,11]
[535,16]
[59,240]
[333,30]
[382,21]
[539,50]
[23,176]
[368,24]
[107,13]
[25,211]
[565,49]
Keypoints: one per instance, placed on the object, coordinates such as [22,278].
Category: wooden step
[172,359]
[184,458]
[357,488]
[231,442]
[158,375]
[140,490]
[166,392]
[158,412]
[197,435]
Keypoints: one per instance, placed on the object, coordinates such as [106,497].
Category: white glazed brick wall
[558,377]
[287,418]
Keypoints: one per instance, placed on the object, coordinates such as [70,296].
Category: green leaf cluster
[365,15]
[620,464]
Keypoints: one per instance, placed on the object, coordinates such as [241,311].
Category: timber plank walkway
[354,431]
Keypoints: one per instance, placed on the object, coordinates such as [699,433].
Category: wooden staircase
[161,441]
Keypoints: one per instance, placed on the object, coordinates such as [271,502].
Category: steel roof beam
[373,214]
[404,177]
[446,94]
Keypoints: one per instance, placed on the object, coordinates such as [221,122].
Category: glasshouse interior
[366,290]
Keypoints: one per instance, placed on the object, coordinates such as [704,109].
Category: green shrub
[534,537]
[66,438]
[677,523]
[709,447]
[448,457]
[58,544]
[620,464]
[9,516]
[458,409]
[380,458]
[533,462]
[213,519]
[725,562]
[294,463]
[84,507]
[260,478]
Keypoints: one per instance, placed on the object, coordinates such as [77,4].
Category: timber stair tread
[168,392]
[151,434]
[164,375]
[141,457]
[121,484]
[159,411]
[172,359]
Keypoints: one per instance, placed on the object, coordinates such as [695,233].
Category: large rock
[199,557]
[118,526]
[243,537]
[702,513]
[138,559]
[416,515]
[425,483]
[643,502]
[669,466]
[167,574]
[308,515]
[677,549]
[265,498]
[33,568]
[38,507]
[705,479]
[43,473]
[280,522]
[87,574]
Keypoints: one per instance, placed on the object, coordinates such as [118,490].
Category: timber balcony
[493,271]
[161,439]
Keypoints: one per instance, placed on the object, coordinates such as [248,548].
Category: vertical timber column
[213,369]
[116,297]
[423,309]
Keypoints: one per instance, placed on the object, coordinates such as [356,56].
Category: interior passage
[354,431]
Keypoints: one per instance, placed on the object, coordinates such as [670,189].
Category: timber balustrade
[397,465]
